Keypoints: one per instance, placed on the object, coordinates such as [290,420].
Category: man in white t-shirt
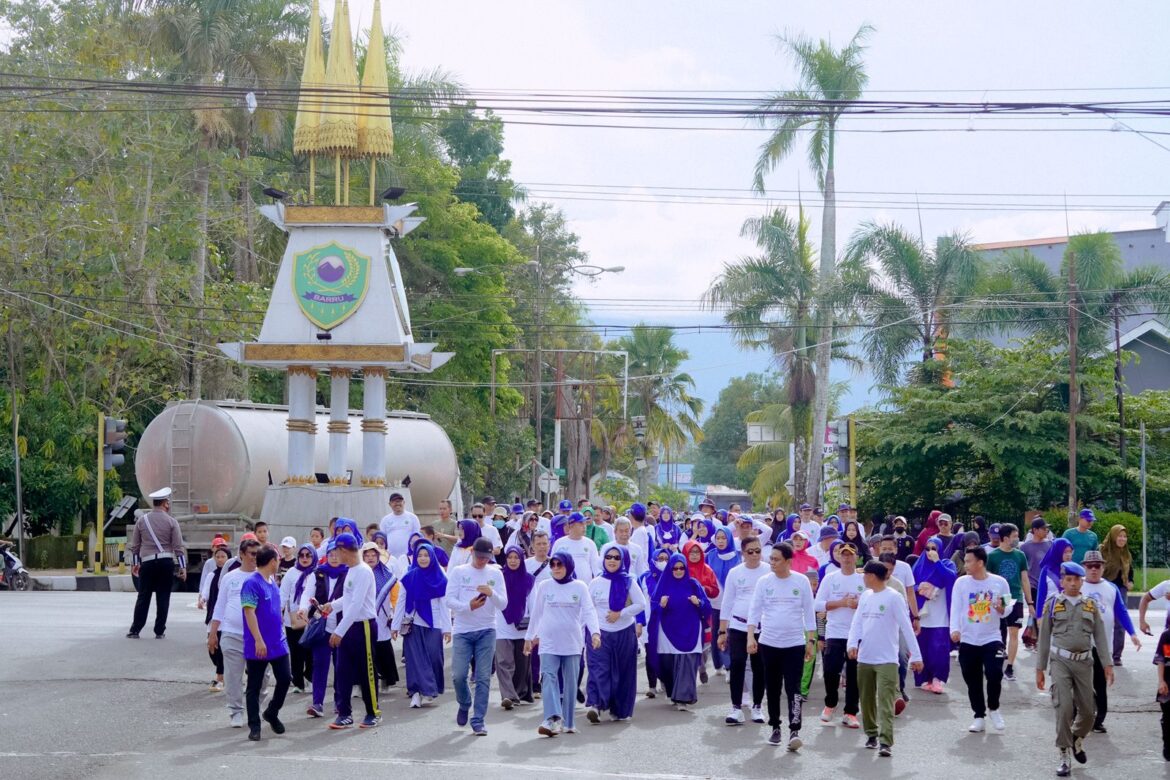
[479,514]
[979,601]
[586,560]
[226,629]
[1159,592]
[837,596]
[398,525]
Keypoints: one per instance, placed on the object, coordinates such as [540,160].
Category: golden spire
[375,133]
[337,133]
[305,136]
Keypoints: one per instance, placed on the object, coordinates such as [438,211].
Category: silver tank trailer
[234,448]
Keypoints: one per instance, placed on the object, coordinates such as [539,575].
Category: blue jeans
[559,706]
[480,646]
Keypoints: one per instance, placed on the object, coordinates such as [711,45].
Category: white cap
[160,494]
[288,541]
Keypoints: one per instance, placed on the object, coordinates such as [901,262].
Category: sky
[940,50]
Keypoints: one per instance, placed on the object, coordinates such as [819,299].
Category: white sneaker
[415,701]
[758,715]
[237,720]
[996,720]
[734,717]
[428,700]
[682,707]
[976,726]
[827,714]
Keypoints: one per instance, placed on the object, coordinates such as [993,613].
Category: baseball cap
[827,532]
[1038,522]
[576,517]
[1087,514]
[1093,556]
[847,547]
[218,541]
[397,496]
[517,508]
[346,541]
[565,505]
[288,541]
[489,500]
[805,506]
[843,507]
[249,537]
[482,547]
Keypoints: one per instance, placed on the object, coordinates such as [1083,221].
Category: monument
[339,306]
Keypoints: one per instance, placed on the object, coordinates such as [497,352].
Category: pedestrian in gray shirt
[156,544]
[1038,544]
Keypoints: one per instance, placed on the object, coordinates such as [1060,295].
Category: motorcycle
[14,576]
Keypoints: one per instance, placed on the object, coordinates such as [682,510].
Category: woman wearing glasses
[561,614]
[292,590]
[678,610]
[737,598]
[613,667]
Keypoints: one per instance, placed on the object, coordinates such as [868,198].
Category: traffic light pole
[852,464]
[101,494]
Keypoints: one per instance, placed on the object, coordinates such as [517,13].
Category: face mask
[899,532]
[498,523]
[660,565]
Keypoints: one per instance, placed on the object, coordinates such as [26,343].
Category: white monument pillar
[373,426]
[338,424]
[302,425]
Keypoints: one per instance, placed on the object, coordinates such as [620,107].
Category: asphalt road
[79,700]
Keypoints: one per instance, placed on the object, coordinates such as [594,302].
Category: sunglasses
[305,555]
[555,565]
[680,568]
[752,551]
[613,557]
[477,517]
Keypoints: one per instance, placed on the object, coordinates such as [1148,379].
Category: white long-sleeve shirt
[973,612]
[737,595]
[533,565]
[205,578]
[640,538]
[599,592]
[783,609]
[439,613]
[586,560]
[358,597]
[560,610]
[638,563]
[228,611]
[836,585]
[461,584]
[504,629]
[882,619]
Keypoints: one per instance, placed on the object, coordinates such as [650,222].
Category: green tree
[476,144]
[832,78]
[725,431]
[913,295]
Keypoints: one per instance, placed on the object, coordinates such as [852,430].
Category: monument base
[294,510]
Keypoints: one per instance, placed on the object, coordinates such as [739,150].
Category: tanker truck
[219,458]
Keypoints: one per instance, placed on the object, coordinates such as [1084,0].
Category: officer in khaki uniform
[1069,626]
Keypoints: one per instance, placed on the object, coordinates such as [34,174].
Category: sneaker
[938,687]
[571,730]
[1099,728]
[415,701]
[977,726]
[461,717]
[734,717]
[548,728]
[274,722]
[593,715]
[996,720]
[479,731]
[850,722]
[827,714]
[506,704]
[1009,673]
[682,706]
[254,733]
[1078,750]
[342,722]
[160,636]
[757,714]
[794,742]
[776,738]
[871,743]
[236,720]
[885,751]
[314,711]
[132,635]
[298,689]
[216,686]
[723,672]
[370,722]
[703,678]
[428,700]
[1064,768]
[650,693]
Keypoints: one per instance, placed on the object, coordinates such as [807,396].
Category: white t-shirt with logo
[561,613]
[398,529]
[462,582]
[973,613]
[836,586]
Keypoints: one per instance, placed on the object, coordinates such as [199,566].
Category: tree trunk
[824,331]
[799,468]
[202,197]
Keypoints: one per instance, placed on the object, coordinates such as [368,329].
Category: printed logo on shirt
[796,591]
[979,607]
[769,591]
[881,607]
[576,598]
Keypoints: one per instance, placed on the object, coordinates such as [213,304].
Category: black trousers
[1166,730]
[384,664]
[300,658]
[1100,694]
[155,578]
[836,659]
[737,646]
[255,669]
[980,662]
[217,656]
[783,668]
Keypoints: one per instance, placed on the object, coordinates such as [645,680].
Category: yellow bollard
[80,556]
[121,557]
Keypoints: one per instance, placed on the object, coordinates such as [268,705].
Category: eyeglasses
[477,517]
[305,555]
[613,557]
[752,551]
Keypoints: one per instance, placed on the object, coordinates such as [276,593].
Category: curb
[121,583]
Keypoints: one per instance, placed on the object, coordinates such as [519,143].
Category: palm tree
[661,393]
[908,301]
[831,78]
[217,43]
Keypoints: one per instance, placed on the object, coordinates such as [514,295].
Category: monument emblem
[330,283]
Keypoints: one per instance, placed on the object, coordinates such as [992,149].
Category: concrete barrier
[122,583]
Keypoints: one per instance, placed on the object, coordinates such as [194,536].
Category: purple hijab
[518,583]
[423,585]
[680,620]
[471,532]
[941,575]
[620,580]
[666,532]
[304,570]
[570,566]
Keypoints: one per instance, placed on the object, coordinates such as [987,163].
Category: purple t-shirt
[264,597]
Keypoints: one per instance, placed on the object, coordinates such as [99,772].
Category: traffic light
[841,429]
[113,443]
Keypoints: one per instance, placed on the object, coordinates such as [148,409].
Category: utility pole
[16,445]
[1119,386]
[1074,395]
[538,411]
